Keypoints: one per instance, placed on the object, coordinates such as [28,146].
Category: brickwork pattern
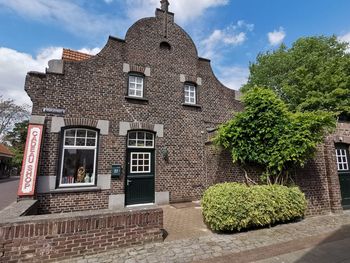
[312,180]
[52,238]
[96,89]
[72,202]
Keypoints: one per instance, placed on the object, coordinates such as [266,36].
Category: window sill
[136,98]
[76,189]
[192,105]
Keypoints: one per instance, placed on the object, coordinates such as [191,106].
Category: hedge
[235,206]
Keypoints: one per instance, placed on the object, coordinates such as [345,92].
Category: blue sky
[229,32]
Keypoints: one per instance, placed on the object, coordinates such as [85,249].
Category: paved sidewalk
[263,244]
[183,222]
[8,191]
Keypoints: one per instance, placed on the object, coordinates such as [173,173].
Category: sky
[229,32]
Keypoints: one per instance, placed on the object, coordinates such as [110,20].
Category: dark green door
[342,154]
[139,185]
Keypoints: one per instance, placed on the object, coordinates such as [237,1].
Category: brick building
[5,158]
[130,125]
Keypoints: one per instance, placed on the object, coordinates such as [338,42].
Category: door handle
[128,181]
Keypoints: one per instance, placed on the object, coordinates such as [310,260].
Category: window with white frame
[140,139]
[79,155]
[135,86]
[140,162]
[342,159]
[190,94]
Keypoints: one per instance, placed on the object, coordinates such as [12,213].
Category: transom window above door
[135,86]
[140,139]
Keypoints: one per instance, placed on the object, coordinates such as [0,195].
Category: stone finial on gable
[165,5]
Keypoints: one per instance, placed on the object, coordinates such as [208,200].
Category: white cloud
[220,39]
[233,77]
[185,10]
[64,13]
[276,37]
[345,38]
[73,17]
[14,66]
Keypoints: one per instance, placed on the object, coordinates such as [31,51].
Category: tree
[10,113]
[17,139]
[268,135]
[314,74]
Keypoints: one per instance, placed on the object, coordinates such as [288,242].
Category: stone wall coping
[37,73]
[33,219]
[117,39]
[204,59]
[17,209]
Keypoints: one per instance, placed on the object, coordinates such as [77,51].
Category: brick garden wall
[318,179]
[49,238]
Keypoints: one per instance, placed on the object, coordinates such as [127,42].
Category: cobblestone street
[205,246]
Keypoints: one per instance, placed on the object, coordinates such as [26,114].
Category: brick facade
[95,89]
[49,238]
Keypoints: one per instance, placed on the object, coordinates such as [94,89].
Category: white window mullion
[190,94]
[136,86]
[342,159]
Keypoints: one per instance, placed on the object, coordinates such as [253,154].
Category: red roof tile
[72,55]
[5,151]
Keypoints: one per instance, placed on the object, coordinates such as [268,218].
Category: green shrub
[234,206]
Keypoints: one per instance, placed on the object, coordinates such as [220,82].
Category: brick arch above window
[57,123]
[342,139]
[127,68]
[125,127]
[81,122]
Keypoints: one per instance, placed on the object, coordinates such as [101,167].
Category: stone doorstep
[270,251]
[186,204]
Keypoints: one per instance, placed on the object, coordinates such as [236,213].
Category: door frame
[152,152]
[343,146]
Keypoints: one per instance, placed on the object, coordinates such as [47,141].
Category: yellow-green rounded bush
[234,206]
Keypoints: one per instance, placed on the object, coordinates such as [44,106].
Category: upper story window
[79,155]
[190,94]
[342,159]
[136,86]
[140,139]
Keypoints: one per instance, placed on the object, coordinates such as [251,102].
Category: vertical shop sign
[30,161]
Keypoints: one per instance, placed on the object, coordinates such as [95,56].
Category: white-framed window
[135,88]
[140,162]
[79,154]
[190,94]
[342,159]
[140,139]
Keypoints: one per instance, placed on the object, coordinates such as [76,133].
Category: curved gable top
[150,32]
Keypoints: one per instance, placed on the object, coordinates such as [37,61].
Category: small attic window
[165,46]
